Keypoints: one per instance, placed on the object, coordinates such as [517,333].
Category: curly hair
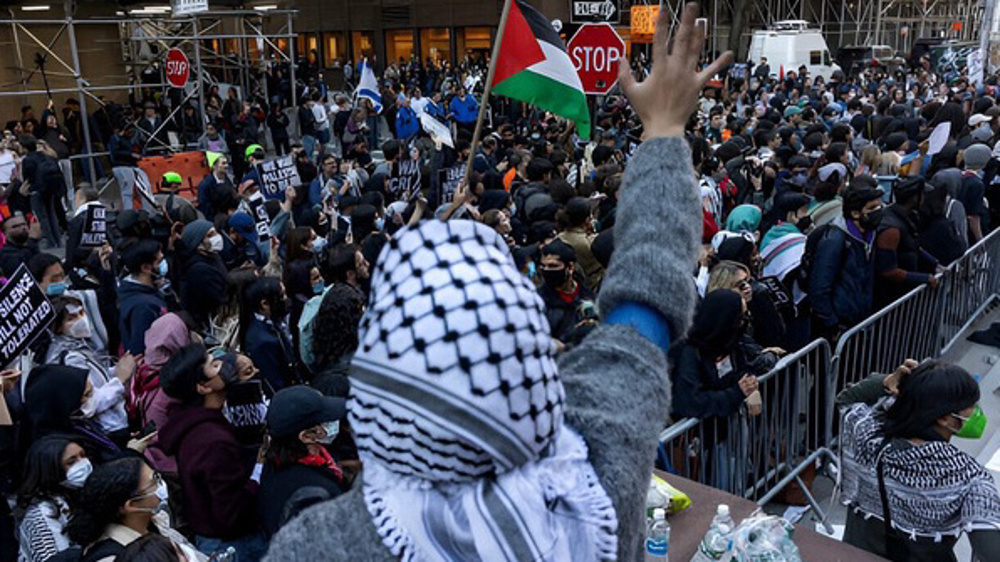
[336,331]
[102,497]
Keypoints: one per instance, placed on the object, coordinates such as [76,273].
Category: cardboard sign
[25,312]
[404,181]
[277,175]
[449,180]
[95,227]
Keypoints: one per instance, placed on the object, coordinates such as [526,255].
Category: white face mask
[77,474]
[331,429]
[80,329]
[215,243]
[161,494]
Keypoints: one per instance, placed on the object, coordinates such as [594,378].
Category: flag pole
[486,91]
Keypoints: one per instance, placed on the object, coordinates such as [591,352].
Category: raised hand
[667,97]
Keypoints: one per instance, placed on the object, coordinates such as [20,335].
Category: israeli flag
[368,86]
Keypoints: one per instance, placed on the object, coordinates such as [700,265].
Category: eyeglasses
[157,481]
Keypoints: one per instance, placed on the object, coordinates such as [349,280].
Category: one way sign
[595,11]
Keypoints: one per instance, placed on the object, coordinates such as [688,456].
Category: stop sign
[178,68]
[595,50]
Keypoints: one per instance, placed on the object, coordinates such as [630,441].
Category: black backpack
[52,179]
[809,254]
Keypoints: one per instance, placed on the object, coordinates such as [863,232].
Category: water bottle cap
[659,513]
[723,509]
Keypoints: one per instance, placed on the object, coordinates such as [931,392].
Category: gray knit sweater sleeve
[657,231]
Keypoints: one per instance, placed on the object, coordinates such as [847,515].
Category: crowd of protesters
[393,360]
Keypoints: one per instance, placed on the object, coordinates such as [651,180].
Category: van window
[815,57]
[826,58]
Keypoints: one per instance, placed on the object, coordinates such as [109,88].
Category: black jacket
[841,281]
[12,256]
[284,493]
[204,286]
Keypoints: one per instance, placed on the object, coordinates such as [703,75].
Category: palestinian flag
[533,67]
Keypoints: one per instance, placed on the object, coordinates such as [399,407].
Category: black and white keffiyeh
[457,408]
[933,489]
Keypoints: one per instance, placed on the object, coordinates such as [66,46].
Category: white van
[791,44]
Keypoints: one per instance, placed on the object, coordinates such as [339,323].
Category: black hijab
[717,324]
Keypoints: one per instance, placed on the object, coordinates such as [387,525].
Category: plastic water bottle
[658,537]
[713,546]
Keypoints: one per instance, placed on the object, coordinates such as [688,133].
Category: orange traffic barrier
[192,167]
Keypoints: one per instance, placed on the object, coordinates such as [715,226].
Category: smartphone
[147,431]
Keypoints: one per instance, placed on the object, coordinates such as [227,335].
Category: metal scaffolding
[234,45]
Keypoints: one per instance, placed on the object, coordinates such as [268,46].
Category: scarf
[323,459]
[458,415]
[933,488]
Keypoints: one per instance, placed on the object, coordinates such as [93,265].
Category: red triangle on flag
[520,48]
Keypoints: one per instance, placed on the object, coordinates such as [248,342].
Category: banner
[404,181]
[25,312]
[277,175]
[449,180]
[187,7]
[95,227]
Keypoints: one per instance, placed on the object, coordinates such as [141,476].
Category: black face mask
[804,224]
[871,221]
[20,239]
[279,310]
[554,278]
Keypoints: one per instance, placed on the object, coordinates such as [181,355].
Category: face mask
[380,223]
[55,289]
[279,310]
[318,244]
[331,429]
[531,270]
[161,494]
[974,425]
[81,272]
[79,329]
[162,270]
[215,243]
[20,239]
[871,221]
[318,289]
[554,278]
[804,224]
[77,474]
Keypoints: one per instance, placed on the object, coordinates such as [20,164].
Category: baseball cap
[297,408]
[172,177]
[792,110]
[977,119]
[243,224]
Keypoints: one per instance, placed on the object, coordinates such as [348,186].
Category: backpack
[809,254]
[52,179]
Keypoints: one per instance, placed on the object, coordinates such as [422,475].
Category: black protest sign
[276,176]
[95,227]
[25,312]
[404,182]
[262,222]
[595,11]
[449,180]
[246,410]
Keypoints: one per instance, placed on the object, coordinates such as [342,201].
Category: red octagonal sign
[178,68]
[595,50]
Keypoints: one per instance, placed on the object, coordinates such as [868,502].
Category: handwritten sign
[277,175]
[644,23]
[95,227]
[25,312]
[404,182]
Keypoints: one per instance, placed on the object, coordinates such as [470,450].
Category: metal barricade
[757,456]
[969,286]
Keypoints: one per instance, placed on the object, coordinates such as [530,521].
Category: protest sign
[25,312]
[449,180]
[246,410]
[276,176]
[95,227]
[404,181]
[262,222]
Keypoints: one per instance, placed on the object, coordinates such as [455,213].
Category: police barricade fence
[757,456]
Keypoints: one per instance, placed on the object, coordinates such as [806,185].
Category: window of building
[474,42]
[334,49]
[398,44]
[435,44]
[362,45]
[307,45]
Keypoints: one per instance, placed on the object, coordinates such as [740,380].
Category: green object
[744,218]
[212,157]
[251,149]
[974,425]
[172,177]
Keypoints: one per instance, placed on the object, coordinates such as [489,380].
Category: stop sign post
[596,49]
[178,68]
